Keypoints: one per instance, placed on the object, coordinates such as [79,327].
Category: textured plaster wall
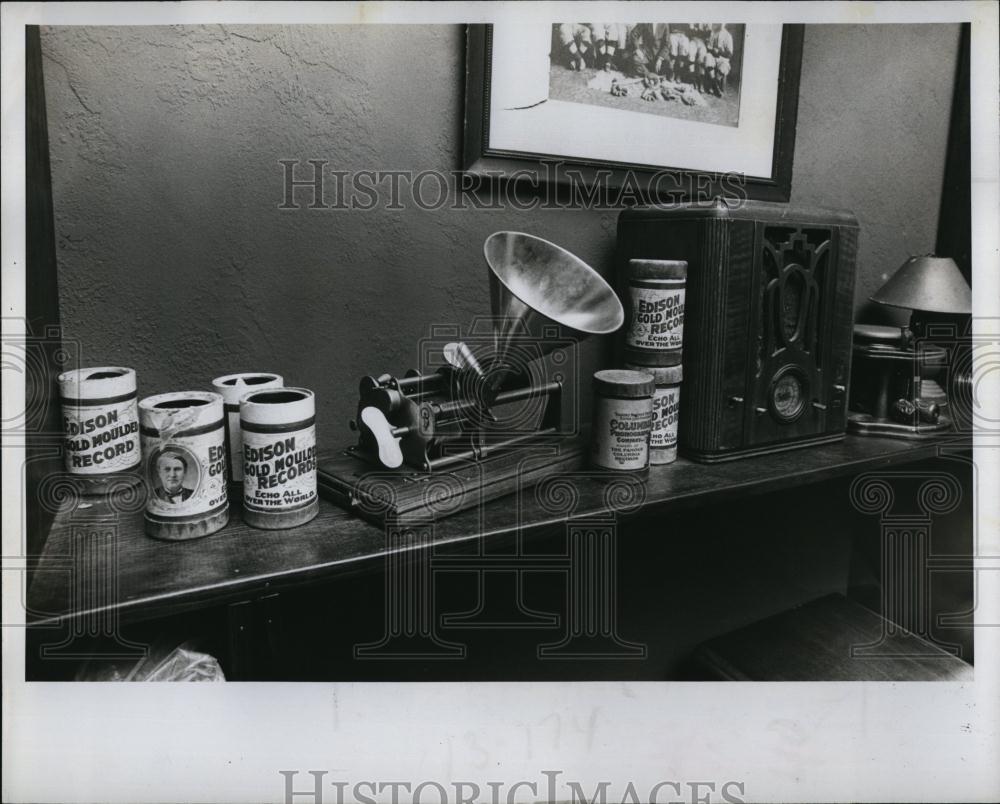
[175,259]
[874,109]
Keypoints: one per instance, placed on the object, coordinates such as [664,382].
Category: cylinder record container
[101,426]
[232,388]
[279,457]
[184,447]
[623,414]
[654,316]
[666,412]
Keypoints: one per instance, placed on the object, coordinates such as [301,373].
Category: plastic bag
[162,663]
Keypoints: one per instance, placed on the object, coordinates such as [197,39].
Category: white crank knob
[389,453]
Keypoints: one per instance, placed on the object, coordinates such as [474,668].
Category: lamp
[893,390]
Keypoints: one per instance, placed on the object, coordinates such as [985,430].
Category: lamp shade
[932,284]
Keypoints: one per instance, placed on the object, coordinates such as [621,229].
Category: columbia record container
[184,444]
[279,457]
[232,387]
[666,412]
[101,425]
[623,414]
[655,315]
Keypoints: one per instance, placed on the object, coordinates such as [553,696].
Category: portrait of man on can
[172,467]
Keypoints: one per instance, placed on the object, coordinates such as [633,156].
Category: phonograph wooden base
[866,424]
[407,495]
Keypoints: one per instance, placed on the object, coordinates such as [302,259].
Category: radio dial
[788,396]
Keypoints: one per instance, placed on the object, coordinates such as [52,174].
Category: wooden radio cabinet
[769,312]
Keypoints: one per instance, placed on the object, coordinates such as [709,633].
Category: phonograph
[896,392]
[485,415]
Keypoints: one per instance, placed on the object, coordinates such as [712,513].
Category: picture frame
[689,172]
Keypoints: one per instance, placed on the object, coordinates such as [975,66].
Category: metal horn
[534,283]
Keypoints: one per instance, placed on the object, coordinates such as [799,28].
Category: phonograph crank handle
[386,436]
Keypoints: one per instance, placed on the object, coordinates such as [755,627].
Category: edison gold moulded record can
[184,447]
[655,317]
[232,388]
[666,412]
[101,426]
[279,457]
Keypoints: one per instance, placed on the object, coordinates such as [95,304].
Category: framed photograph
[670,110]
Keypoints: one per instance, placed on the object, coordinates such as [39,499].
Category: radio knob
[840,389]
[760,411]
[736,400]
[819,406]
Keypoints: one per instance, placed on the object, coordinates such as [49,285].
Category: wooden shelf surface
[147,578]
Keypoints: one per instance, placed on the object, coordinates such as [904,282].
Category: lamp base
[865,424]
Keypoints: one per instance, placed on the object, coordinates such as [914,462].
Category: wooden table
[129,577]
